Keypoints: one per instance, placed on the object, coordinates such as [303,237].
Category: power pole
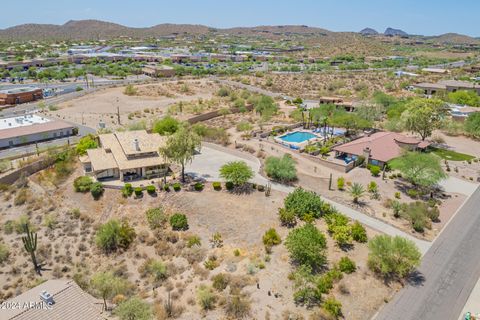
[118,115]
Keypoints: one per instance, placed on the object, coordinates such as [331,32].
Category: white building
[31,128]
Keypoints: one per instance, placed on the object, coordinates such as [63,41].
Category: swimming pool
[298,136]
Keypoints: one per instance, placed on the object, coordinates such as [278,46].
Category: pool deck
[298,145]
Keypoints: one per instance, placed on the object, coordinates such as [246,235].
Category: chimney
[46,297]
[366,154]
[136,144]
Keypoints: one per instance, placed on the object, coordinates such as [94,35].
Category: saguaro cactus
[30,245]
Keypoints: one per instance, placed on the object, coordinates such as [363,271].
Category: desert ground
[67,248]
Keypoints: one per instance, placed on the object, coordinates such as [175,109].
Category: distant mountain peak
[395,32]
[369,32]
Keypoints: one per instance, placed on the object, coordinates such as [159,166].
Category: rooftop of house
[384,146]
[33,128]
[70,302]
[127,150]
[19,90]
[457,83]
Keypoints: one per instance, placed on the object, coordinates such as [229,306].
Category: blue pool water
[298,136]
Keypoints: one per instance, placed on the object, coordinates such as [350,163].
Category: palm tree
[357,191]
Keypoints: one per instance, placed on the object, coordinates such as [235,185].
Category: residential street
[450,269]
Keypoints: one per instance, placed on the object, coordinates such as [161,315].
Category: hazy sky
[427,17]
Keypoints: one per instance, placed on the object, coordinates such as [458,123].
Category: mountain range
[95,29]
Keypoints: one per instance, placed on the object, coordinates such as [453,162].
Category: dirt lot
[151,101]
[68,248]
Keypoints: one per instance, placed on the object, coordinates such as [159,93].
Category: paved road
[450,269]
[211,158]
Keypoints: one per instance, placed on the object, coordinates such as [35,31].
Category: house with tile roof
[379,148]
[57,299]
[126,156]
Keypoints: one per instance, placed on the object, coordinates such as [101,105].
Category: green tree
[307,246]
[303,202]
[106,286]
[422,116]
[134,309]
[281,169]
[393,256]
[465,97]
[166,126]
[421,169]
[87,142]
[356,191]
[472,125]
[236,172]
[114,235]
[181,147]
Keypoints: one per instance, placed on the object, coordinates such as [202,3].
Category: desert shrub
[50,221]
[342,236]
[21,223]
[372,187]
[211,263]
[8,227]
[4,253]
[271,238]
[341,183]
[397,195]
[178,221]
[347,265]
[138,191]
[229,185]
[151,189]
[393,256]
[127,190]
[303,202]
[166,187]
[359,233]
[198,186]
[177,186]
[134,309]
[206,298]
[375,170]
[82,184]
[238,307]
[156,217]
[287,217]
[166,126]
[21,197]
[281,169]
[193,241]
[307,246]
[333,307]
[217,186]
[244,126]
[114,235]
[412,193]
[335,219]
[419,213]
[220,281]
[130,90]
[96,189]
[155,269]
[236,253]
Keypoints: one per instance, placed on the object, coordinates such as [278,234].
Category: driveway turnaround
[207,164]
[448,273]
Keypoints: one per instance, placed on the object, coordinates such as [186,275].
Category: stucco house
[126,156]
[379,148]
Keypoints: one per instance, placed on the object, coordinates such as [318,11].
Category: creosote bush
[156,218]
[82,184]
[114,235]
[178,222]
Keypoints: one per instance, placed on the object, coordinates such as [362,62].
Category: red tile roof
[384,146]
